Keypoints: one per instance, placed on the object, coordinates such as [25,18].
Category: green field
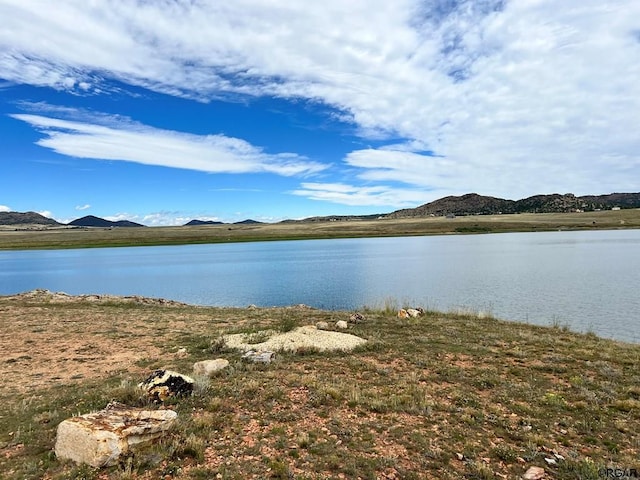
[10,238]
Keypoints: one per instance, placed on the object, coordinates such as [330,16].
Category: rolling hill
[474,204]
[26,218]
[92,221]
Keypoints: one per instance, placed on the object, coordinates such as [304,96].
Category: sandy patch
[302,337]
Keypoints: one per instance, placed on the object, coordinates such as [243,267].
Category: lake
[586,280]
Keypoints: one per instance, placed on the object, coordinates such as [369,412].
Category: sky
[165,111]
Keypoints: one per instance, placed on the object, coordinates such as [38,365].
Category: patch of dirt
[41,346]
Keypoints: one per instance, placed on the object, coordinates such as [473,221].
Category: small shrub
[287,324]
[504,453]
[217,345]
[191,446]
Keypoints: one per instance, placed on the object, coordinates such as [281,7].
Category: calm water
[586,280]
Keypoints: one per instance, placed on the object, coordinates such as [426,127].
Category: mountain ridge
[26,218]
[474,204]
[468,204]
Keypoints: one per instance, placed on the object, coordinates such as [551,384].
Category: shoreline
[64,238]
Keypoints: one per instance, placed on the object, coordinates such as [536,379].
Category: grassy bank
[99,237]
[439,397]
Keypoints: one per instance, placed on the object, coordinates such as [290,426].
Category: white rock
[413,313]
[342,324]
[182,353]
[306,337]
[322,325]
[259,357]
[98,439]
[209,367]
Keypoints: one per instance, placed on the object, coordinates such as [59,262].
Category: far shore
[33,237]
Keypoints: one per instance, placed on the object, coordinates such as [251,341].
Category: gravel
[302,337]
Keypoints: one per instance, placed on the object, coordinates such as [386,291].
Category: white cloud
[123,216]
[515,98]
[170,219]
[114,138]
[83,207]
[4,208]
[362,196]
[175,218]
[46,213]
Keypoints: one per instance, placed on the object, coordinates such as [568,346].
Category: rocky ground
[435,397]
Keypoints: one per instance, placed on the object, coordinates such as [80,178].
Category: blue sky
[161,112]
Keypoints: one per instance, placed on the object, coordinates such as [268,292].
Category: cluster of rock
[410,312]
[41,294]
[100,438]
[342,324]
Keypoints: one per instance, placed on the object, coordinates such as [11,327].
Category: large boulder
[163,384]
[99,439]
[210,367]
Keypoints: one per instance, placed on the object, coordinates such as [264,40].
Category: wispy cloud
[83,207]
[171,219]
[362,196]
[515,97]
[103,137]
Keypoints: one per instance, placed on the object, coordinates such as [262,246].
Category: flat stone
[533,473]
[99,439]
[259,357]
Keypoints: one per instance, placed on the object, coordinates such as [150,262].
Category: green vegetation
[444,396]
[526,222]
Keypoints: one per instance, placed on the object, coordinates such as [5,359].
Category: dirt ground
[48,337]
[42,343]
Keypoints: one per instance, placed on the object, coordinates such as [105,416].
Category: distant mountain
[247,221]
[474,204]
[194,223]
[26,218]
[339,218]
[92,221]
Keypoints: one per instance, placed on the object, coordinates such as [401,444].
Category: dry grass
[99,237]
[439,397]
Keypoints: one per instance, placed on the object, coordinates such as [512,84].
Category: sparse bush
[287,324]
[217,345]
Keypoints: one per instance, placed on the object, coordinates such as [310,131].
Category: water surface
[585,280]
